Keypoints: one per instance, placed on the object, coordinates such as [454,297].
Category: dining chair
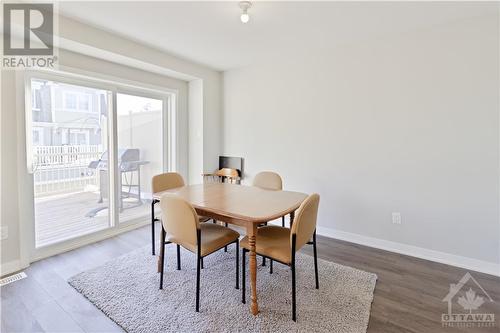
[281,244]
[269,180]
[159,183]
[180,221]
[228,175]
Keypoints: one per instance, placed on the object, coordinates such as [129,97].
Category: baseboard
[69,245]
[409,250]
[413,251]
[17,265]
[10,267]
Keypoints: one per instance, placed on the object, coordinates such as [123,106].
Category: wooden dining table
[245,206]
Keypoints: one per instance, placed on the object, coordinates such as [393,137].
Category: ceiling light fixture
[245,5]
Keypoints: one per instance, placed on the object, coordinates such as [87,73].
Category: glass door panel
[68,142]
[140,152]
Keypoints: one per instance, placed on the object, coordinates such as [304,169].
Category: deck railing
[60,169]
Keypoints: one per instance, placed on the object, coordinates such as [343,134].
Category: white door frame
[26,190]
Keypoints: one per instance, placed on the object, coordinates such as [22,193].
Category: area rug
[126,290]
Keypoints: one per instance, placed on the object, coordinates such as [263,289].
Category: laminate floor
[408,295]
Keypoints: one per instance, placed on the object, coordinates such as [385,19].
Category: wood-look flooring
[408,294]
[409,291]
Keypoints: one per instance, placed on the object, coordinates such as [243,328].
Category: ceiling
[211,33]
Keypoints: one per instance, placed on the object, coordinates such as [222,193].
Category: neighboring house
[66,115]
[69,129]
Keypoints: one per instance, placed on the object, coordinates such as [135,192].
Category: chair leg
[198,284]
[199,259]
[243,275]
[315,260]
[237,264]
[283,221]
[202,267]
[178,257]
[294,282]
[153,227]
[270,266]
[162,256]
[225,247]
[294,317]
[263,258]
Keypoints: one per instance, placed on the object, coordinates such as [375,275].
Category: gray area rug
[126,290]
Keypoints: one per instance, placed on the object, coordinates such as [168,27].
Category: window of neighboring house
[70,101]
[84,102]
[37,137]
[78,137]
[77,101]
[36,99]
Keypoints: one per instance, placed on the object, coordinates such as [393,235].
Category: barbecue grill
[129,163]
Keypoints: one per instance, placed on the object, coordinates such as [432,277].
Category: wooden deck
[62,217]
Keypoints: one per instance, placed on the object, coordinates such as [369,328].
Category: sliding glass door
[69,146]
[92,149]
[140,152]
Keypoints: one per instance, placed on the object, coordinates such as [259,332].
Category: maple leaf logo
[470,301]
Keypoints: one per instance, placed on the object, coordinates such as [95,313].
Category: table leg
[251,233]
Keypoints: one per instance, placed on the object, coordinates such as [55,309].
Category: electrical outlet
[4,233]
[396,218]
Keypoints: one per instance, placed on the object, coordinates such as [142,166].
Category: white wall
[406,124]
[195,103]
[10,250]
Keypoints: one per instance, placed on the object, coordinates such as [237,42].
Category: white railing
[65,155]
[60,169]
